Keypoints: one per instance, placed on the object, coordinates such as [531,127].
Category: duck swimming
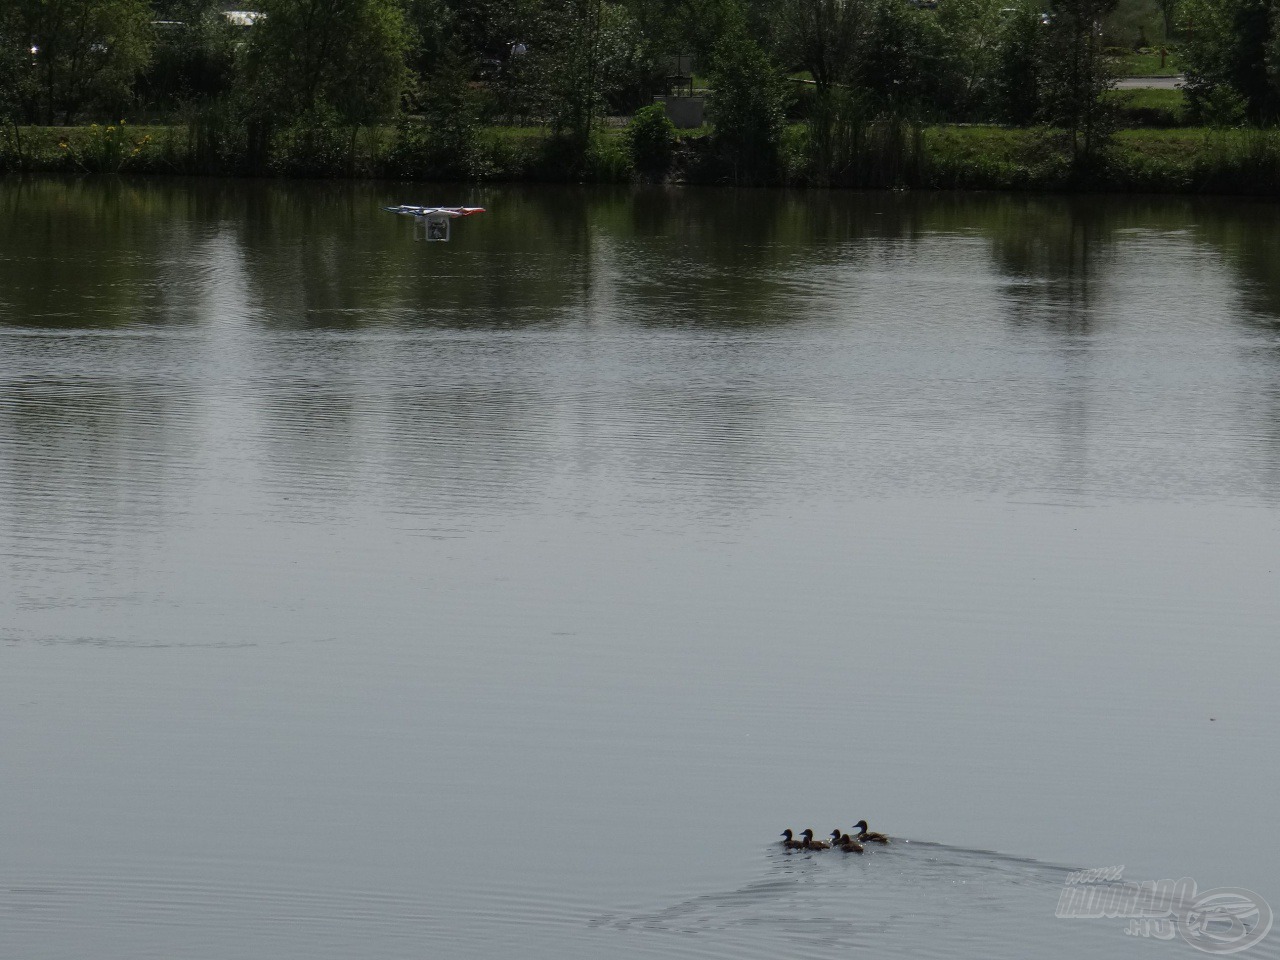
[812,844]
[842,841]
[789,842]
[867,837]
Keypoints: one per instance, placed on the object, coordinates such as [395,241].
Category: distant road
[1149,83]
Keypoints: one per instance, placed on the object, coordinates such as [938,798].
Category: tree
[825,37]
[661,24]
[491,27]
[702,24]
[17,84]
[1169,16]
[587,55]
[631,68]
[900,58]
[1077,77]
[568,61]
[1273,53]
[1019,67]
[85,53]
[194,55]
[449,113]
[747,106]
[17,73]
[969,62]
[575,94]
[343,59]
[433,27]
[828,39]
[1231,50]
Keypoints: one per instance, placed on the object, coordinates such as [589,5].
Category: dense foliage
[833,91]
[1232,55]
[651,138]
[82,54]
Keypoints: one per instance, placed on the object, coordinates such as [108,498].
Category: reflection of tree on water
[750,275]
[1247,236]
[1249,242]
[1054,255]
[1085,275]
[706,258]
[309,256]
[82,254]
[338,260]
[718,257]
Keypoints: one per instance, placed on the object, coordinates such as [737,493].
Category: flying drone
[434,221]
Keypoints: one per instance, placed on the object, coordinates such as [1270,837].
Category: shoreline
[1180,161]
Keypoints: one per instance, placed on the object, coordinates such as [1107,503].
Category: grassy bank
[1175,160]
[1191,160]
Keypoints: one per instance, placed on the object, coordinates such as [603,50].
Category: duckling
[842,841]
[812,844]
[789,842]
[866,837]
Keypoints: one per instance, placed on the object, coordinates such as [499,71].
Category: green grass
[1147,65]
[1149,107]
[1014,144]
[1151,98]
[979,144]
[1171,147]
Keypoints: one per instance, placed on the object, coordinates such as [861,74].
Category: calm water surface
[369,598]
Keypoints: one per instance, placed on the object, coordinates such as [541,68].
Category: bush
[315,146]
[1240,161]
[850,145]
[1216,106]
[421,151]
[565,158]
[651,140]
[108,149]
[608,160]
[215,140]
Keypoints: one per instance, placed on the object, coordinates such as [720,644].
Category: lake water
[505,598]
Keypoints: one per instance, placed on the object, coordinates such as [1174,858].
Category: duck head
[861,826]
[786,834]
